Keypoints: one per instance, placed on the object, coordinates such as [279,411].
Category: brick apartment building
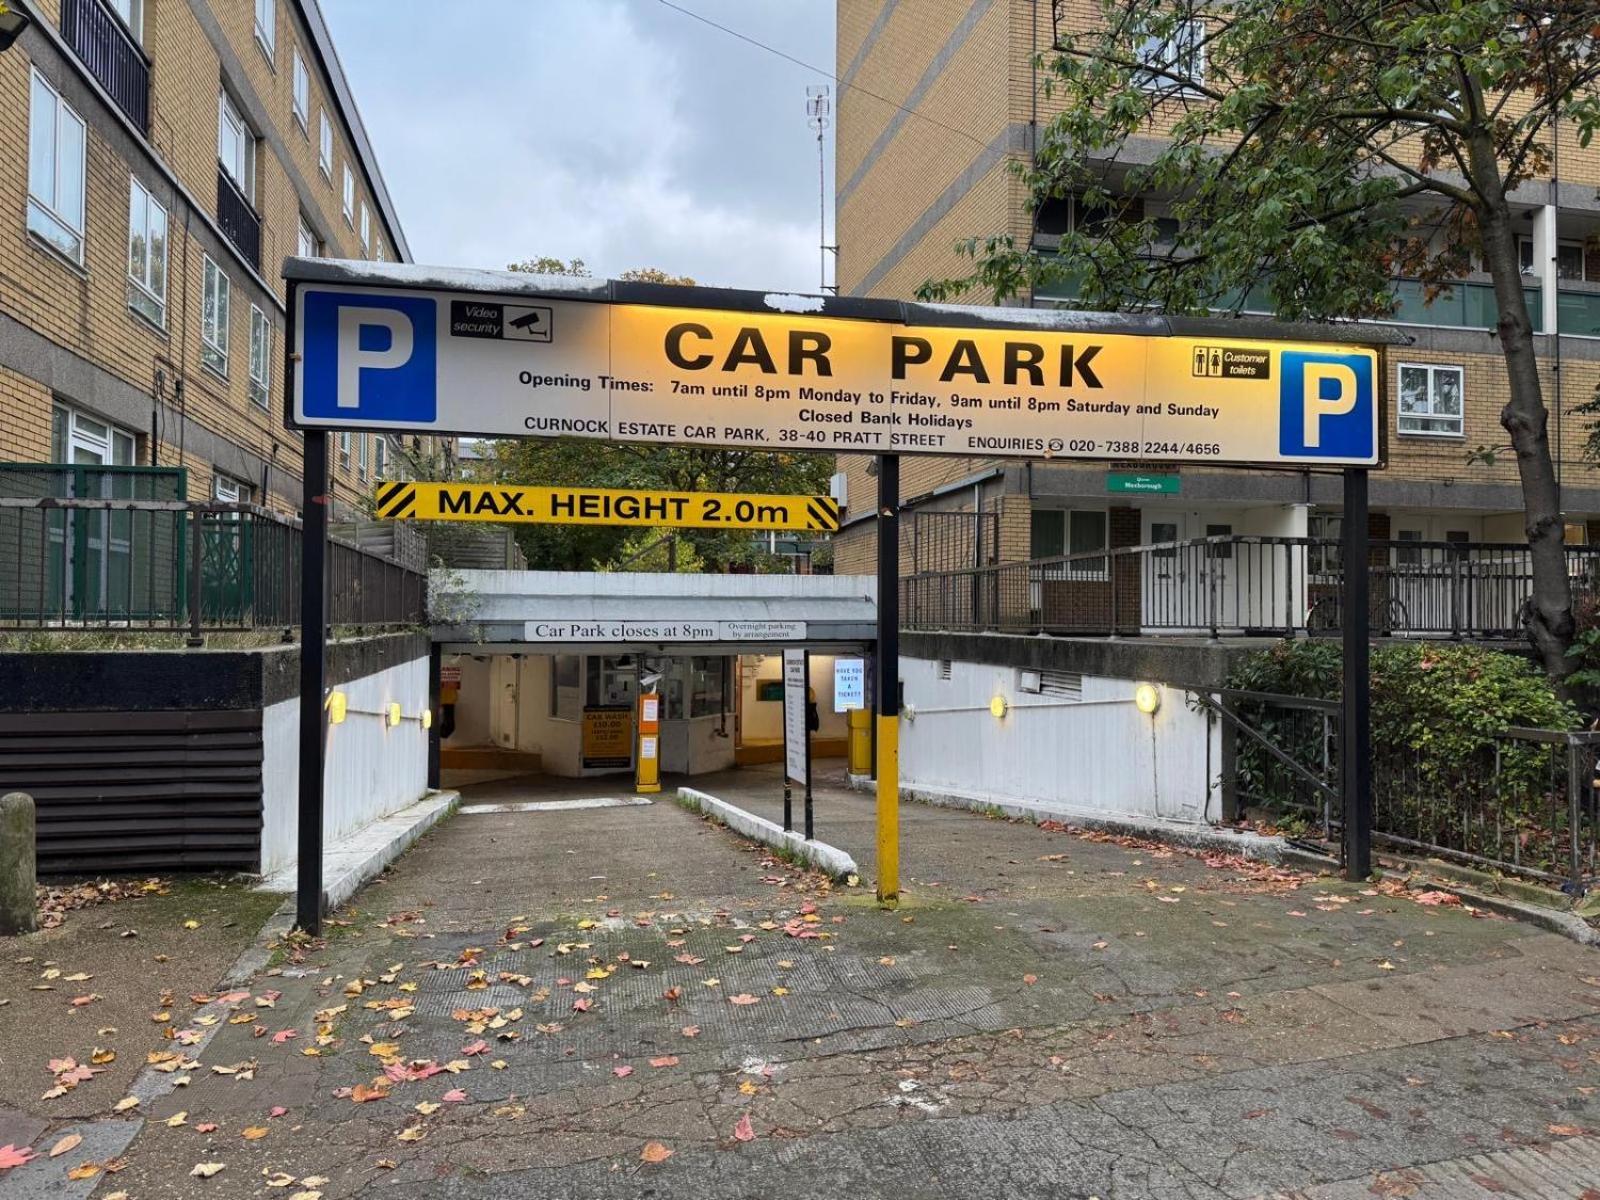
[164,157]
[910,188]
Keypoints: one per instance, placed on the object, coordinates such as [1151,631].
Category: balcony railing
[102,41]
[97,559]
[1242,585]
[238,219]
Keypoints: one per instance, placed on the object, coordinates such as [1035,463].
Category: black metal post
[436,712]
[807,695]
[196,567]
[888,678]
[313,653]
[1355,742]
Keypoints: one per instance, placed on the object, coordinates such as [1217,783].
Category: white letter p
[353,360]
[1313,405]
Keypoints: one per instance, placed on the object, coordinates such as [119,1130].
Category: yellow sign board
[608,736]
[604,506]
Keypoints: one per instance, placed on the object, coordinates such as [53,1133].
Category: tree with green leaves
[1310,151]
[557,462]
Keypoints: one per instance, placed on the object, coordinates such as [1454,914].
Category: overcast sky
[620,132]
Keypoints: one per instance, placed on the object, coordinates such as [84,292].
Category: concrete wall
[372,769]
[1098,755]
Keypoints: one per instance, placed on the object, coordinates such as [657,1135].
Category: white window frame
[366,228]
[325,144]
[230,490]
[344,449]
[74,429]
[46,217]
[362,456]
[260,366]
[1433,370]
[133,19]
[307,243]
[1164,54]
[267,27]
[300,91]
[380,456]
[216,299]
[242,170]
[147,287]
[348,197]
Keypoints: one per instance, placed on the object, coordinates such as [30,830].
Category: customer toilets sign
[780,372]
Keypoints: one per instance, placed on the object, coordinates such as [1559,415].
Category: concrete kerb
[828,859]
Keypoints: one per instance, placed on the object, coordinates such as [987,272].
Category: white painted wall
[762,720]
[372,769]
[1098,756]
[472,702]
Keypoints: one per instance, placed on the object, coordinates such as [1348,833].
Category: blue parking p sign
[370,357]
[1325,406]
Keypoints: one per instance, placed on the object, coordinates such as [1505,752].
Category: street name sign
[603,506]
[390,347]
[1128,481]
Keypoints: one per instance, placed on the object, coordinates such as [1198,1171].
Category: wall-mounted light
[998,707]
[338,705]
[1147,698]
[12,22]
[394,713]
[427,718]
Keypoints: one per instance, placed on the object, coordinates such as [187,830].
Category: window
[1219,549]
[131,13]
[236,146]
[325,145]
[302,92]
[1574,261]
[1430,400]
[1408,556]
[611,680]
[378,253]
[267,25]
[1070,531]
[380,456]
[1326,531]
[147,254]
[706,676]
[566,692]
[214,302]
[55,170]
[306,244]
[1180,53]
[1164,531]
[349,204]
[231,490]
[344,449]
[361,456]
[260,356]
[88,441]
[366,228]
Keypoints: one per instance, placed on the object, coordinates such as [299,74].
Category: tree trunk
[1548,616]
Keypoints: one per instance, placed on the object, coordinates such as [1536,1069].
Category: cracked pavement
[632,1001]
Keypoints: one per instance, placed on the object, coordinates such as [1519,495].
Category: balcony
[100,39]
[238,219]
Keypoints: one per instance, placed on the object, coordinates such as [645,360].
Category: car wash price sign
[603,506]
[779,372]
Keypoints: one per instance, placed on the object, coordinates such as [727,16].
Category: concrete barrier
[19,905]
[826,858]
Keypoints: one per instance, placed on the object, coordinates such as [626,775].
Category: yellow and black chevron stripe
[822,514]
[397,500]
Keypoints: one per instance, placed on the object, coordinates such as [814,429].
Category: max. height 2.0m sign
[784,375]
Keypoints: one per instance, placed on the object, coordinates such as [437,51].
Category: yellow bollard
[648,766]
[889,811]
[858,722]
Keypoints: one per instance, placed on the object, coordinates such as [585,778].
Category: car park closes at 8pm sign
[636,364]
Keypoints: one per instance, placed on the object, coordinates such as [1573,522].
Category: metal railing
[85,563]
[1243,585]
[1525,801]
[104,44]
[238,218]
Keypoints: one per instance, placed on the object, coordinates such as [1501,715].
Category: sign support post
[1355,765]
[313,665]
[888,679]
[806,658]
[435,714]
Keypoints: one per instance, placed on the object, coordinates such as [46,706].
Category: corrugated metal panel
[138,791]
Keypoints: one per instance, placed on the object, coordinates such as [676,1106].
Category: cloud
[625,134]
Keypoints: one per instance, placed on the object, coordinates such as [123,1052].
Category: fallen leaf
[177,1119]
[125,1104]
[742,1131]
[86,1170]
[454,1096]
[254,1133]
[206,1170]
[415,1134]
[744,998]
[654,1152]
[690,1031]
[666,1060]
[14,1156]
[71,1142]
[428,1107]
[478,1047]
[1558,1130]
[206,1127]
[622,1072]
[1030,980]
